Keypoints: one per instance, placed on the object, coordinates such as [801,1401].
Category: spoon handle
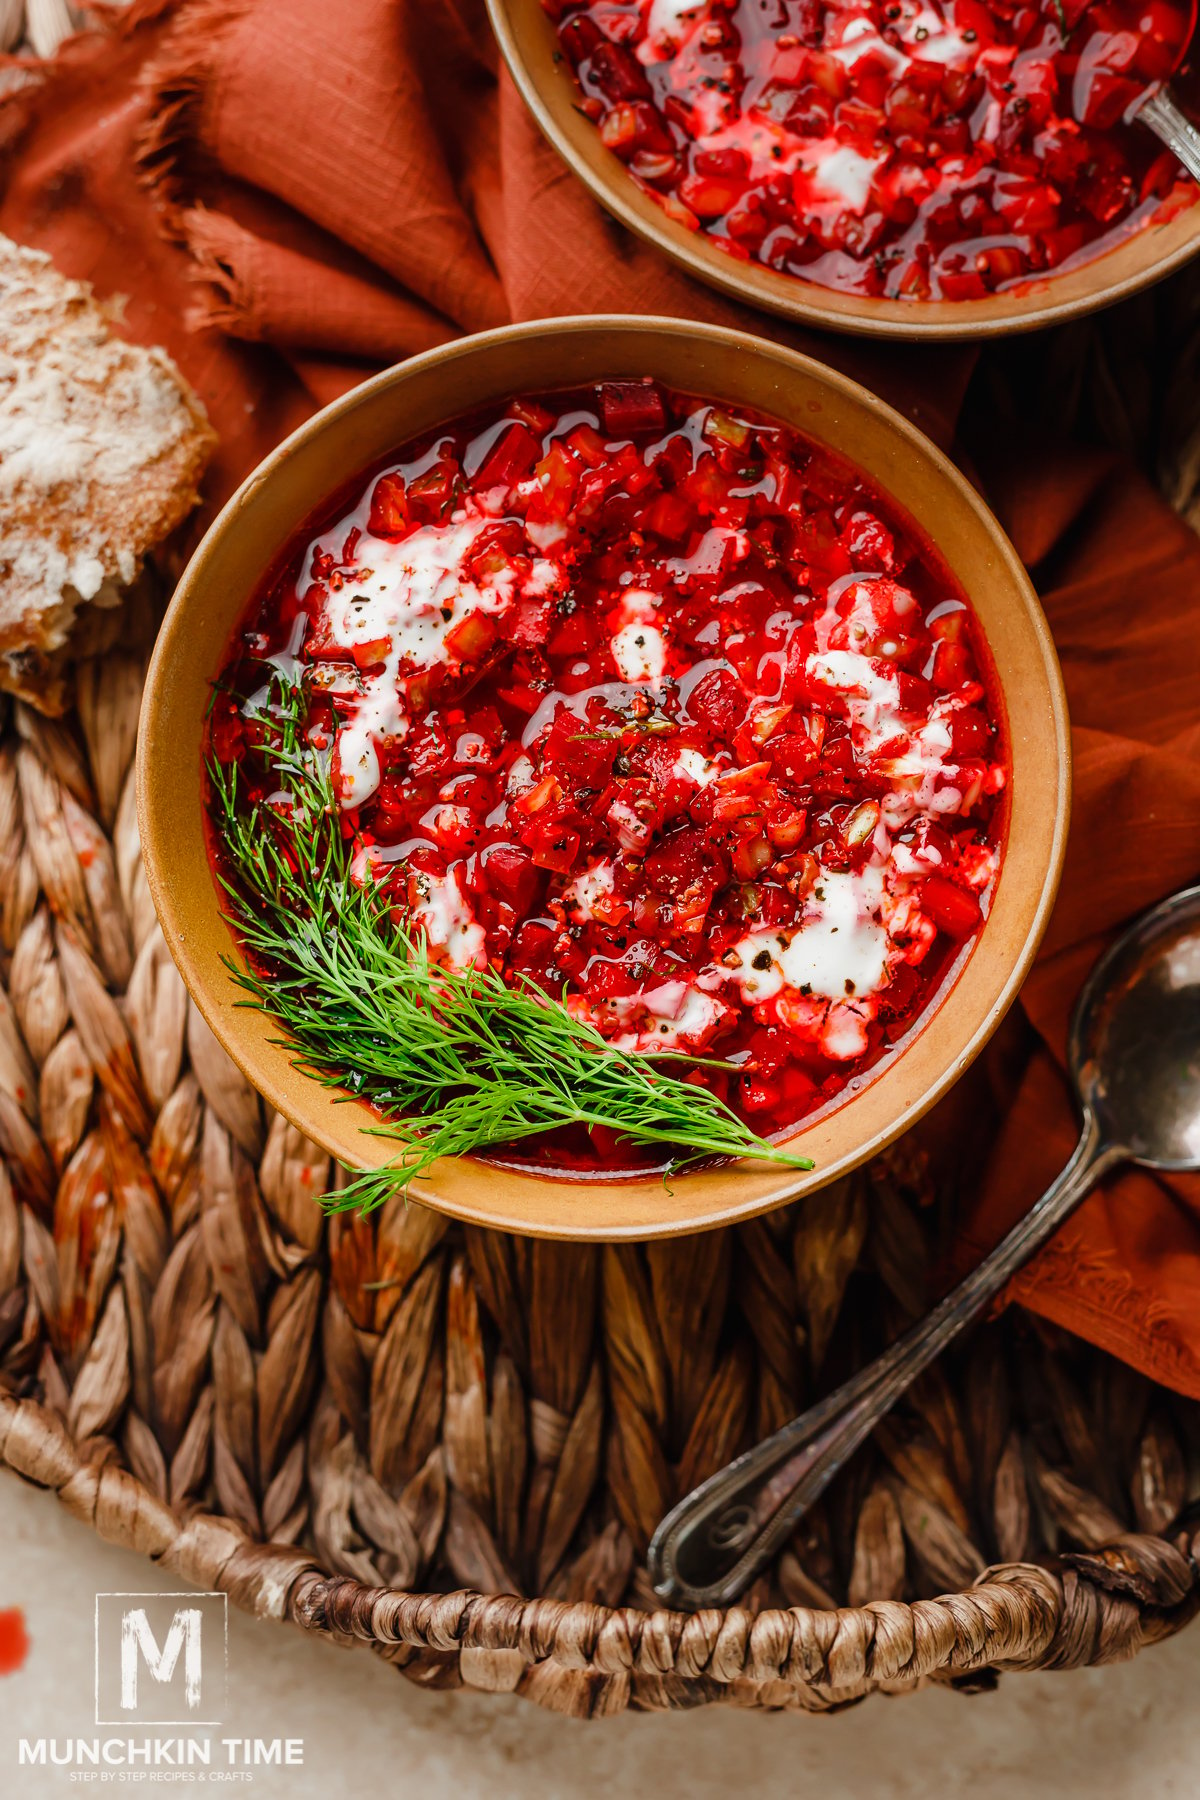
[1173,126]
[716,1540]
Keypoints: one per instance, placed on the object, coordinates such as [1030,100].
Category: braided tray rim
[1083,1610]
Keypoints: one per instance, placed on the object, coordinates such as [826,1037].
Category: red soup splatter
[912,149]
[658,705]
[14,1640]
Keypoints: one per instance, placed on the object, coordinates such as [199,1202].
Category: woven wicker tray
[339,1422]
[453,1445]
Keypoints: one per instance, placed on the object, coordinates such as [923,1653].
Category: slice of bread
[102,448]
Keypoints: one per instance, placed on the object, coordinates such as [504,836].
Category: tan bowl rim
[1132,264]
[158,829]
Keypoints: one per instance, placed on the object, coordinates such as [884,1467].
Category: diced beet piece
[572,635]
[226,733]
[510,458]
[953,910]
[900,994]
[719,702]
[427,750]
[552,844]
[793,756]
[759,1094]
[494,550]
[682,860]
[617,73]
[319,642]
[579,37]
[636,125]
[608,978]
[530,622]
[669,516]
[915,693]
[430,494]
[710,196]
[509,871]
[630,406]
[558,476]
[970,733]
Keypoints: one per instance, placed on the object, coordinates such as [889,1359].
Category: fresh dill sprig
[453,1060]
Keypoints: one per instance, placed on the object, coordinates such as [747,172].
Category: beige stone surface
[1127,1733]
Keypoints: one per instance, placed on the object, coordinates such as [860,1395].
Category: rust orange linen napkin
[320,189]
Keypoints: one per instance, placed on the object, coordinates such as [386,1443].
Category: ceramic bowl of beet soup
[660,684]
[896,168]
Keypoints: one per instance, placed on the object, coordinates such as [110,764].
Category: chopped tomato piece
[389,514]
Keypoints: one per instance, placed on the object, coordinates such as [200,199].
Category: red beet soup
[656,705]
[906,149]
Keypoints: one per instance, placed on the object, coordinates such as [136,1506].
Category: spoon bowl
[1135,1042]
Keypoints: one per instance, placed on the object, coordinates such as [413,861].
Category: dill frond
[454,1061]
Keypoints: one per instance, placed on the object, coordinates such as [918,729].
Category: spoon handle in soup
[1168,122]
[710,1546]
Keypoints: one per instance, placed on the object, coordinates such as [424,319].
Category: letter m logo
[138,1645]
[160,1659]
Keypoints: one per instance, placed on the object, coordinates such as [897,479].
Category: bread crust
[102,449]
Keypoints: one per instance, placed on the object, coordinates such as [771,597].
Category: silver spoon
[1135,1065]
[1169,123]
[1155,107]
[1161,114]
